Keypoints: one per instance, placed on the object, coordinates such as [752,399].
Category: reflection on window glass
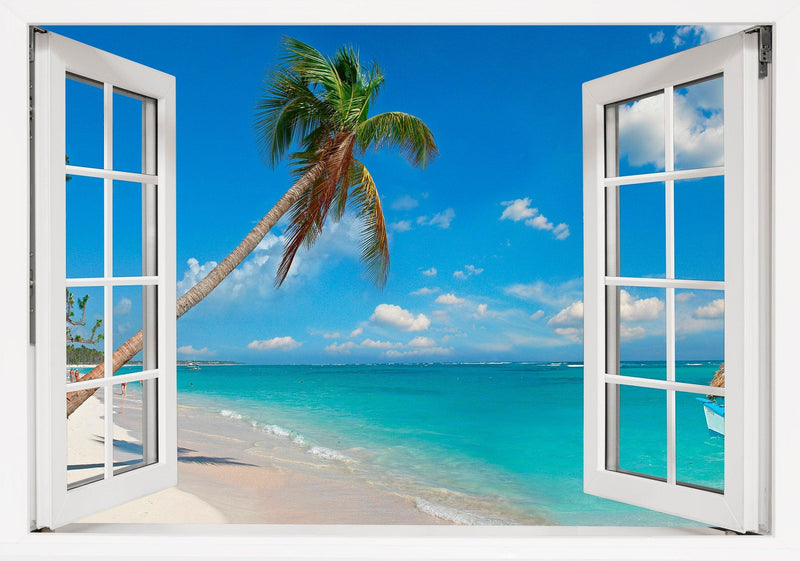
[699,440]
[642,249]
[641,135]
[135,434]
[700,229]
[642,431]
[127,133]
[85,329]
[84,235]
[127,322]
[84,124]
[698,124]
[85,442]
[699,335]
[641,324]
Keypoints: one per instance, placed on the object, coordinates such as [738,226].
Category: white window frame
[56,58]
[402,543]
[744,504]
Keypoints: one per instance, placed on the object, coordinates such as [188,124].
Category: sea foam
[230,414]
[328,454]
[460,516]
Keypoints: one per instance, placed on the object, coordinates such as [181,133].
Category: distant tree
[73,336]
[323,104]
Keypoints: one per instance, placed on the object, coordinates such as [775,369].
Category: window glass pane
[84,124]
[85,441]
[642,431]
[641,135]
[699,440]
[642,246]
[130,306]
[699,335]
[638,314]
[84,222]
[698,124]
[127,132]
[127,229]
[135,431]
[85,327]
[700,229]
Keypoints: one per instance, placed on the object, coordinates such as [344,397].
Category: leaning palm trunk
[194,295]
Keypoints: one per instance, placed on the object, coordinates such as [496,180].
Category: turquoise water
[508,434]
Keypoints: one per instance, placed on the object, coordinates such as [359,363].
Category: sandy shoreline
[231,472]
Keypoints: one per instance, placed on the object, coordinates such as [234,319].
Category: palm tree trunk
[194,295]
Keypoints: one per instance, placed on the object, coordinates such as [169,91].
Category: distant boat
[715,416]
[192,365]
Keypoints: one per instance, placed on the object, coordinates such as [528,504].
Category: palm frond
[310,211]
[398,130]
[374,241]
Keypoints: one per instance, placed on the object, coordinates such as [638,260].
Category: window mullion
[108,272]
[669,221]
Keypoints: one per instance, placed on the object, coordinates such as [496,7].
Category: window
[13,224]
[717,257]
[111,209]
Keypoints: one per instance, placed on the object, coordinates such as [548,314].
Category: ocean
[472,443]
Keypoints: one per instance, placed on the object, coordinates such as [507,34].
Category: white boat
[715,416]
[192,365]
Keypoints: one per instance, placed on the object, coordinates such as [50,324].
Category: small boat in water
[192,365]
[715,416]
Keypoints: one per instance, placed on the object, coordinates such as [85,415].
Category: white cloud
[189,351]
[714,310]
[571,316]
[123,307]
[400,226]
[440,219]
[520,209]
[430,272]
[641,309]
[517,210]
[536,316]
[657,37]
[370,344]
[424,291]
[334,335]
[254,278]
[344,348]
[698,128]
[395,316]
[424,342]
[572,333]
[356,332]
[274,344]
[405,202]
[551,295]
[698,34]
[684,296]
[630,333]
[482,309]
[449,299]
[469,270]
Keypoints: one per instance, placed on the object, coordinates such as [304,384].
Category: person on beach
[124,390]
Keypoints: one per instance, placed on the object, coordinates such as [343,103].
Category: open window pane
[135,430]
[129,313]
[700,229]
[84,236]
[127,229]
[642,435]
[84,122]
[641,231]
[699,335]
[127,132]
[640,135]
[85,328]
[698,124]
[85,442]
[639,336]
[699,440]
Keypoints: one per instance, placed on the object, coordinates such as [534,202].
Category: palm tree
[323,105]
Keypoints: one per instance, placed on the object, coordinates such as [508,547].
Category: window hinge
[764,48]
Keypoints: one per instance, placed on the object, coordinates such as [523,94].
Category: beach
[234,473]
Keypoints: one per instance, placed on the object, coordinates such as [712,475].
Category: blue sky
[486,244]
